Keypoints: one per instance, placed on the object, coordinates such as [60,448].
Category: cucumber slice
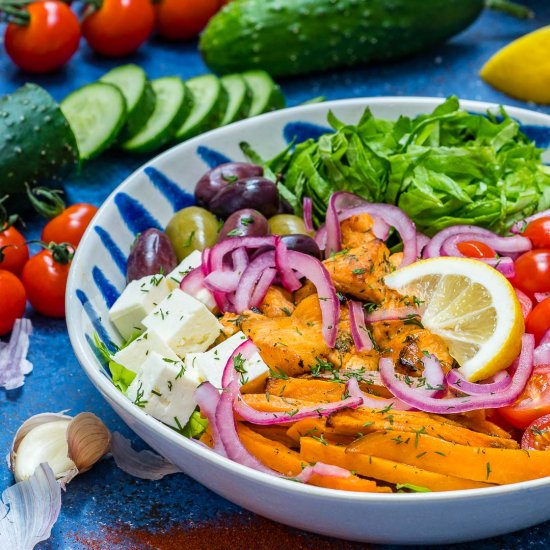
[173,105]
[132,81]
[266,94]
[96,114]
[239,98]
[210,102]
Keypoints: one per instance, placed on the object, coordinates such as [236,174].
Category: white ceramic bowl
[97,275]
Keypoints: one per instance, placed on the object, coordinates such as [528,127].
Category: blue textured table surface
[102,508]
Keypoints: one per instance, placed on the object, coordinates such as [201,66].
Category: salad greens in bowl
[311,313]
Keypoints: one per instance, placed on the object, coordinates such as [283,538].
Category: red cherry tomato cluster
[42,278]
[532,277]
[43,35]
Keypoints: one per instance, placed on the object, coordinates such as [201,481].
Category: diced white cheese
[136,353]
[205,296]
[165,389]
[184,323]
[211,364]
[136,302]
[189,263]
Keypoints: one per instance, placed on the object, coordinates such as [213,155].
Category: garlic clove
[88,440]
[46,443]
[30,424]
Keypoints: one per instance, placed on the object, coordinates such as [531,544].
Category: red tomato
[184,19]
[475,249]
[532,403]
[533,271]
[118,27]
[538,321]
[12,300]
[48,41]
[537,435]
[16,253]
[45,279]
[70,225]
[538,232]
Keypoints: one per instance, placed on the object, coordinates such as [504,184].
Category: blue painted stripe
[118,257]
[134,214]
[302,131]
[175,195]
[95,320]
[211,157]
[539,134]
[108,290]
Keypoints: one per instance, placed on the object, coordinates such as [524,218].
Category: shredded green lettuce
[122,377]
[406,487]
[196,426]
[449,167]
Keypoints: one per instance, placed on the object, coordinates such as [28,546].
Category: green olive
[287,224]
[190,229]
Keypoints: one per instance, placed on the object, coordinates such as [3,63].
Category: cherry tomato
[70,225]
[48,41]
[538,232]
[45,279]
[538,321]
[12,300]
[537,435]
[16,253]
[118,27]
[532,403]
[533,271]
[475,249]
[184,19]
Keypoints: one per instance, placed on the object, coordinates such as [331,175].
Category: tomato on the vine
[47,40]
[476,249]
[184,19]
[537,435]
[533,271]
[118,27]
[14,252]
[538,321]
[69,226]
[45,279]
[532,403]
[12,300]
[538,232]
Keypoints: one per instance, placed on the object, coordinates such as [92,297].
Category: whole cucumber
[288,37]
[37,145]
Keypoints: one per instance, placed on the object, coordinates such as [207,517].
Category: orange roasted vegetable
[498,466]
[312,450]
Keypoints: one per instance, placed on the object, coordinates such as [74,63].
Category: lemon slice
[522,69]
[471,306]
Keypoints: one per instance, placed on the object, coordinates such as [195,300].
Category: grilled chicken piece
[289,344]
[405,342]
[277,303]
[360,272]
[357,231]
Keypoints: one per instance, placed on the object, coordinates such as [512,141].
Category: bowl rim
[107,389]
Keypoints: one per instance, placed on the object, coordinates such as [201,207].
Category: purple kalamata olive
[151,253]
[284,207]
[219,177]
[260,194]
[302,243]
[244,223]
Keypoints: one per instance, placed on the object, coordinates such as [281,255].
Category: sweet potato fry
[312,450]
[273,403]
[288,462]
[275,433]
[362,421]
[499,466]
[316,428]
[322,391]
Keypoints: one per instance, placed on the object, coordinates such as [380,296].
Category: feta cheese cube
[211,364]
[206,297]
[136,353]
[165,389]
[184,323]
[189,263]
[136,302]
